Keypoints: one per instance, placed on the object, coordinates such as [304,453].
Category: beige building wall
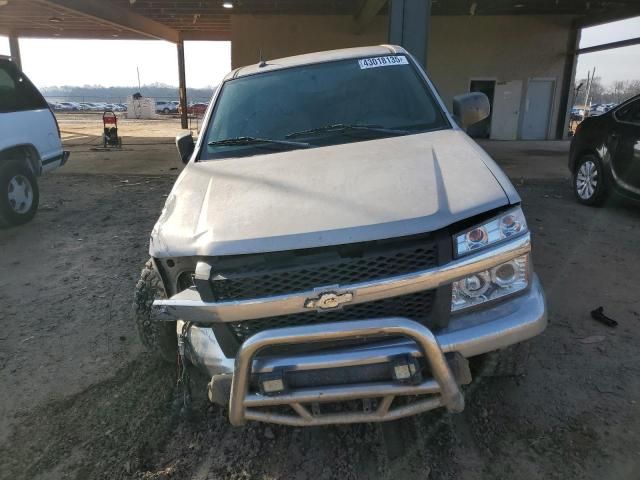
[461,48]
[503,48]
[285,35]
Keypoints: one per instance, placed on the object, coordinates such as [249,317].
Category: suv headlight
[506,225]
[505,279]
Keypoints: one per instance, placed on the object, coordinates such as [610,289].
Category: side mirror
[470,108]
[185,144]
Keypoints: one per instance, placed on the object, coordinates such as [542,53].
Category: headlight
[506,225]
[502,280]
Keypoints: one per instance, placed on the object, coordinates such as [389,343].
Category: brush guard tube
[443,386]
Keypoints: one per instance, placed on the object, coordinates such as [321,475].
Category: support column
[567,93]
[14,50]
[409,22]
[182,88]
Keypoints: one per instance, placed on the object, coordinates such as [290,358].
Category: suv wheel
[158,337]
[589,181]
[19,194]
[166,111]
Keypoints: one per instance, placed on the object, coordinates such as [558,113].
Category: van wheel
[589,181]
[157,337]
[19,193]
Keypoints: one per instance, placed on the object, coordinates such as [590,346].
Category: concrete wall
[503,48]
[285,35]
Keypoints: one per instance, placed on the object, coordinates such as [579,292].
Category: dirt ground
[81,400]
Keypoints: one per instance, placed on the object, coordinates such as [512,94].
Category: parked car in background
[166,107]
[30,144]
[605,154]
[68,106]
[335,242]
[577,114]
[593,109]
[114,107]
[196,108]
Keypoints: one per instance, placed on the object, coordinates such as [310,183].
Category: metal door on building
[506,110]
[537,109]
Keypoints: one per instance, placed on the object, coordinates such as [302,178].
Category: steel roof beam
[609,46]
[118,17]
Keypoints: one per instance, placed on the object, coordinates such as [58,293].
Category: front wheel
[589,181]
[158,337]
[19,193]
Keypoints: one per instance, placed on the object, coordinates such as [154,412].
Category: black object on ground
[598,314]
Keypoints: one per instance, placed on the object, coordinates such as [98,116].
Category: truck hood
[331,195]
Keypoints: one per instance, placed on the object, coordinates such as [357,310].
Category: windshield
[322,104]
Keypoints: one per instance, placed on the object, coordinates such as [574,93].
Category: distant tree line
[98,93]
[615,92]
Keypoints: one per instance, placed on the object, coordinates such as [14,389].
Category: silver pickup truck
[337,248]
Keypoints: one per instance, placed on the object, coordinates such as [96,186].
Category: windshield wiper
[256,141]
[345,127]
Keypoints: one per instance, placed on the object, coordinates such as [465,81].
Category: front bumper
[469,334]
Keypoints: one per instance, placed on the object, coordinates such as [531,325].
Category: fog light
[272,383]
[405,369]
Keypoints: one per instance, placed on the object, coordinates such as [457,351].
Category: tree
[616,92]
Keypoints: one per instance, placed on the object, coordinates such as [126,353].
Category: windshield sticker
[386,61]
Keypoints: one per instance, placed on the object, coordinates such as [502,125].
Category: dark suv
[605,155]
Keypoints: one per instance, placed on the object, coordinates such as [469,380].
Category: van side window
[17,93]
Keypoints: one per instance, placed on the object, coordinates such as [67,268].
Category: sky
[114,62]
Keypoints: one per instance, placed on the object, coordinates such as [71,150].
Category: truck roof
[316,57]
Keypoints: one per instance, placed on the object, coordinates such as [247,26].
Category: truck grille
[245,277]
[416,306]
[253,276]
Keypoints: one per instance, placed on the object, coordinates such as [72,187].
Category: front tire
[158,337]
[589,182]
[19,193]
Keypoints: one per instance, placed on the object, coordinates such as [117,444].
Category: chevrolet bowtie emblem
[328,300]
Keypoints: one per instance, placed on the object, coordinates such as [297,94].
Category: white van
[30,144]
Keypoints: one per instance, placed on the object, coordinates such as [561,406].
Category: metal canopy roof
[209,20]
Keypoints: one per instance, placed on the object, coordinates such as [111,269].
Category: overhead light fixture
[518,5]
[227,5]
[4,2]
[55,19]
